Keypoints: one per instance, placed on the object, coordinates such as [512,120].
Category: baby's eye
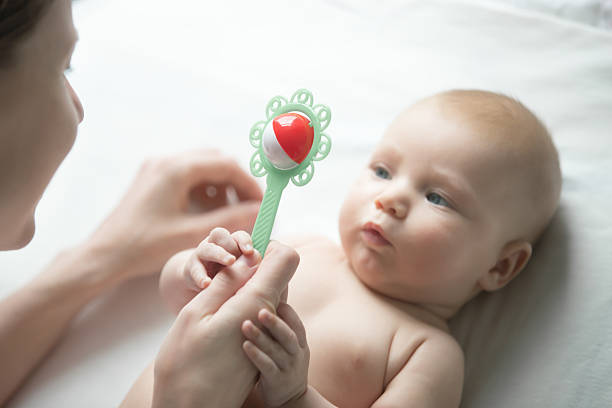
[437,199]
[382,173]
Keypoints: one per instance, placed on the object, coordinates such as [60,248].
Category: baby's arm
[190,271]
[432,377]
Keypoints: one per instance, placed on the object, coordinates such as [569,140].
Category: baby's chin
[367,266]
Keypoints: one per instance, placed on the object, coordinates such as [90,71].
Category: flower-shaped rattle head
[287,144]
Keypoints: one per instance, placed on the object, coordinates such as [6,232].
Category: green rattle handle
[275,184]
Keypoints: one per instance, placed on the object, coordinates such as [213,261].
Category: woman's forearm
[34,318]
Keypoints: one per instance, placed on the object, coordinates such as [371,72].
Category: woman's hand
[173,202]
[201,362]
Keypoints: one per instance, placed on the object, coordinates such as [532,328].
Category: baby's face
[421,223]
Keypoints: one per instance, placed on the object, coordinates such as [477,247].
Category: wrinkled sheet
[158,77]
[597,13]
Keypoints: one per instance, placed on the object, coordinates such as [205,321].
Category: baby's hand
[281,355]
[219,250]
[189,272]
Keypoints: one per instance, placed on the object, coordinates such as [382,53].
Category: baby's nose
[391,206]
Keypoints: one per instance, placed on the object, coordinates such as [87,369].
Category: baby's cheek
[433,244]
[436,234]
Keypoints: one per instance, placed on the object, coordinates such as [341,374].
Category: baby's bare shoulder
[441,345]
[414,335]
[428,339]
[424,359]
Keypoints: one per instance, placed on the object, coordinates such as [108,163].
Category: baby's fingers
[222,238]
[282,333]
[260,359]
[266,344]
[199,276]
[209,252]
[195,274]
[245,243]
[289,316]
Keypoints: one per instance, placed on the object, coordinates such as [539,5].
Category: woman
[39,116]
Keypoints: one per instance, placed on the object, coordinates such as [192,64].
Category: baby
[451,203]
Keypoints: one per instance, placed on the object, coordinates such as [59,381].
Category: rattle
[288,142]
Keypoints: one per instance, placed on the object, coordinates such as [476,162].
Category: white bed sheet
[156,77]
[597,13]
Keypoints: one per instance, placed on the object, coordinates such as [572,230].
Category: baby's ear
[511,261]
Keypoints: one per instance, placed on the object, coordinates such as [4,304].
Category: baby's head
[455,195]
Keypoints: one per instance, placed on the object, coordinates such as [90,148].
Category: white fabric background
[597,13]
[158,77]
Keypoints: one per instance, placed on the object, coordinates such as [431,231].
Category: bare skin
[363,343]
[201,359]
[375,346]
[39,116]
[426,227]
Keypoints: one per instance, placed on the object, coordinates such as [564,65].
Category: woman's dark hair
[17,19]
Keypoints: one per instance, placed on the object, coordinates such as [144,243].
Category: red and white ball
[287,140]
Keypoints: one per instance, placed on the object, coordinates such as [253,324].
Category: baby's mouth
[373,234]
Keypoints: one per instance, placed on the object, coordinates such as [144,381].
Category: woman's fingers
[212,167]
[233,217]
[274,273]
